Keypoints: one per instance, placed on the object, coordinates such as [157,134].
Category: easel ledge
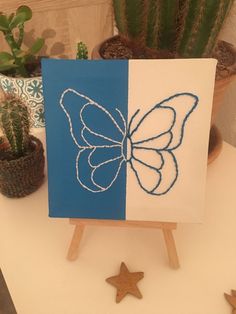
[166,227]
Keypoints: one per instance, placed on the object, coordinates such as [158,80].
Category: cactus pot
[221,84]
[31,91]
[22,176]
[4,146]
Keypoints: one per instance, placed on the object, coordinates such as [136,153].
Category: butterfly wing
[99,139]
[97,168]
[154,138]
[90,122]
[162,127]
[156,171]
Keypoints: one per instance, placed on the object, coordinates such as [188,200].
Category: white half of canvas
[150,82]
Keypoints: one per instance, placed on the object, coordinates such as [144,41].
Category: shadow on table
[6,304]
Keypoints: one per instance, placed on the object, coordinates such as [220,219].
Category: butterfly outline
[127,133]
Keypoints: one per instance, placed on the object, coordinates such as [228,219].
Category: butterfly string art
[146,143]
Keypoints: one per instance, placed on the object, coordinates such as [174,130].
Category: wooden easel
[166,227]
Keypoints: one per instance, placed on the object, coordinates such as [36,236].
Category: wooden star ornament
[126,283]
[232,300]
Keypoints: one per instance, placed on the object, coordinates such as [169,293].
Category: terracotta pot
[220,87]
[3,145]
[215,142]
[31,91]
[95,55]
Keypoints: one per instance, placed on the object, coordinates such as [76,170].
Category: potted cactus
[166,29]
[20,69]
[174,29]
[82,51]
[21,154]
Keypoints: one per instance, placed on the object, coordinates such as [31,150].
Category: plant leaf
[17,19]
[8,62]
[36,47]
[7,66]
[26,11]
[5,56]
[4,26]
[20,54]
[10,17]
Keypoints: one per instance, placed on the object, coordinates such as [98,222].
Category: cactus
[200,24]
[82,51]
[14,123]
[17,59]
[188,28]
[147,23]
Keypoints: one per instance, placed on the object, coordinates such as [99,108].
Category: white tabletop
[33,251]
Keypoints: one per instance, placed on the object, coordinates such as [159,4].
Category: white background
[149,83]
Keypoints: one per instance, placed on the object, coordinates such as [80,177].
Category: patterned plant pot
[31,91]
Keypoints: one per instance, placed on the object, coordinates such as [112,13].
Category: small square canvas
[128,140]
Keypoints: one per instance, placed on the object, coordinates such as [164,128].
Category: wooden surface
[126,282]
[64,23]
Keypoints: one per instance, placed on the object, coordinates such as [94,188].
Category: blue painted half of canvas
[86,114]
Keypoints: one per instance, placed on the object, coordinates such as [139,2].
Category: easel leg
[171,248]
[166,227]
[75,242]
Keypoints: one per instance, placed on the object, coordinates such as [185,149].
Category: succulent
[82,51]
[12,27]
[188,28]
[14,123]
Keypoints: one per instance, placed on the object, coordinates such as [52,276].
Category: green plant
[188,28]
[12,27]
[14,123]
[82,51]
[200,26]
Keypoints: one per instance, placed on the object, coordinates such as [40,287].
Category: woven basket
[24,175]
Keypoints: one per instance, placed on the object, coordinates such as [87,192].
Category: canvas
[128,140]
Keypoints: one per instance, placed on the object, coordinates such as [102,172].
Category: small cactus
[82,51]
[14,123]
